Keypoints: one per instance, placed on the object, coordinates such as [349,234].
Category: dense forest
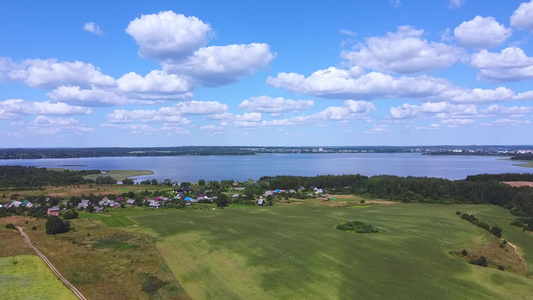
[37,153]
[22,177]
[526,156]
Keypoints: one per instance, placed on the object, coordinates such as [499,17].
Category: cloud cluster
[268,104]
[49,73]
[178,43]
[404,52]
[511,64]
[169,114]
[221,65]
[345,84]
[440,109]
[55,126]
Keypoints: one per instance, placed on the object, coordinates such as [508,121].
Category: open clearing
[519,183]
[28,277]
[295,252]
[120,175]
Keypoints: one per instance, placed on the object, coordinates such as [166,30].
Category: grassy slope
[120,175]
[28,277]
[295,252]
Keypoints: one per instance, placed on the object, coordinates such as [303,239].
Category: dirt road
[65,281]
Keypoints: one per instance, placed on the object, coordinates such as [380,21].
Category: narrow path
[65,281]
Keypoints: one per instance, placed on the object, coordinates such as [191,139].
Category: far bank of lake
[193,168]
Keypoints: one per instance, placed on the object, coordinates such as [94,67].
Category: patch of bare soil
[519,183]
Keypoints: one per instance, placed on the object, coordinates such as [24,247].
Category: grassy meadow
[120,175]
[295,252]
[28,277]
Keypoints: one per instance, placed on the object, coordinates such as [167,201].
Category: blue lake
[192,168]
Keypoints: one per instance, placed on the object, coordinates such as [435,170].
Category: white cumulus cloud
[403,51]
[50,73]
[92,28]
[343,84]
[167,35]
[220,65]
[511,64]
[522,18]
[18,106]
[482,33]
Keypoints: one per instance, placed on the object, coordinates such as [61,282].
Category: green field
[120,175]
[28,277]
[295,252]
[527,164]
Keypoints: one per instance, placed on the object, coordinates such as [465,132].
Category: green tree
[105,180]
[55,225]
[222,200]
[154,182]
[70,214]
[201,182]
[496,231]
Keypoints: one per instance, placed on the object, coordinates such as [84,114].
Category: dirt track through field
[63,279]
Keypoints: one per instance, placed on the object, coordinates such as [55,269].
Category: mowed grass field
[28,277]
[120,175]
[295,252]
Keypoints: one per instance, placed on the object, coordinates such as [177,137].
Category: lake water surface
[192,168]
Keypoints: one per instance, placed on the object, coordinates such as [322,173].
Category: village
[179,197]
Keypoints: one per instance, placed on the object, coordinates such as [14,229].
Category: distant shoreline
[60,153]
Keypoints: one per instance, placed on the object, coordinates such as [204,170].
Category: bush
[517,223]
[362,201]
[34,228]
[501,268]
[55,225]
[71,214]
[464,252]
[457,212]
[481,261]
[10,226]
[496,231]
[356,226]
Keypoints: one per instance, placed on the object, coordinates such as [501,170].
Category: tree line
[18,176]
[480,189]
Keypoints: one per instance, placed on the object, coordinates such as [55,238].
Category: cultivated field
[295,252]
[25,276]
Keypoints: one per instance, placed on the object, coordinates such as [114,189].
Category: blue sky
[267,73]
